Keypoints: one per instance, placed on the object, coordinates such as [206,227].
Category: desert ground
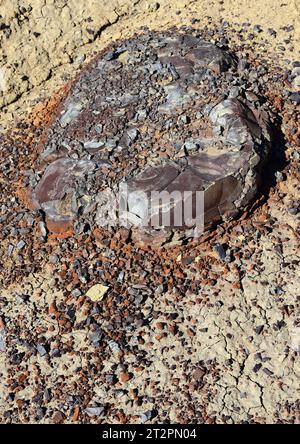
[181,335]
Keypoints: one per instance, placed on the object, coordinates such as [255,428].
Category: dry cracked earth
[96,325]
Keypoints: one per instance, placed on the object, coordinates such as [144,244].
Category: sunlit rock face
[161,112]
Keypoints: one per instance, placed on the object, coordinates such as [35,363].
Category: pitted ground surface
[198,334]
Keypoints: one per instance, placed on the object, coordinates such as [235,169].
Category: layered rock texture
[159,113]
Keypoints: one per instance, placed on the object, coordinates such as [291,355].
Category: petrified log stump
[161,112]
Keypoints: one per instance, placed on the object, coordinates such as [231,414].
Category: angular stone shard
[97,292]
[56,192]
[235,122]
[208,55]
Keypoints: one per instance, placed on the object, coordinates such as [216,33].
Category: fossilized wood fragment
[154,113]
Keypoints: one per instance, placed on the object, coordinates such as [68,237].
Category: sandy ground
[237,358]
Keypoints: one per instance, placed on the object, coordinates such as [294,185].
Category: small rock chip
[58,417]
[220,251]
[272,32]
[295,97]
[145,416]
[114,347]
[94,411]
[41,350]
[268,372]
[93,144]
[124,377]
[259,329]
[293,211]
[96,337]
[153,6]
[21,245]
[2,341]
[256,368]
[279,176]
[43,229]
[257,28]
[198,374]
[75,414]
[97,292]
[2,323]
[52,308]
[76,293]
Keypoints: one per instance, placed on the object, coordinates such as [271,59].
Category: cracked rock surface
[157,113]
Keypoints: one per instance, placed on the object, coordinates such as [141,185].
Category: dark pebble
[295,97]
[259,329]
[257,28]
[257,367]
[220,250]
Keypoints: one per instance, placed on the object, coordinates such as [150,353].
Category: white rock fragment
[97,292]
[2,340]
[94,411]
